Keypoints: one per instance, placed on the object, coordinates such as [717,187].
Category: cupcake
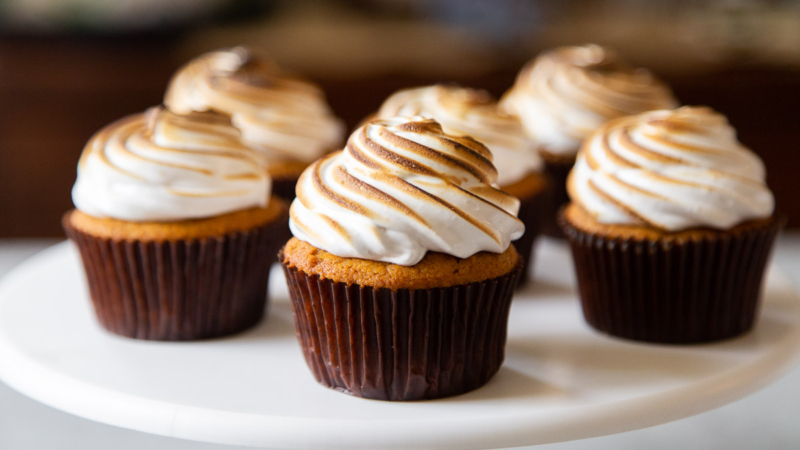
[285,118]
[565,94]
[175,226]
[401,271]
[671,225]
[471,112]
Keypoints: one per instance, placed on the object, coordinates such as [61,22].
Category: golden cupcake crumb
[582,220]
[435,269]
[178,230]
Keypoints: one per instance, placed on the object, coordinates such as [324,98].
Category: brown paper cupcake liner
[405,344]
[179,290]
[557,171]
[530,213]
[678,291]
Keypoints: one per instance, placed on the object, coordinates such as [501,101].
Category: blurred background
[68,67]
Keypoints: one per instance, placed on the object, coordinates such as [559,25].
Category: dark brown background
[56,91]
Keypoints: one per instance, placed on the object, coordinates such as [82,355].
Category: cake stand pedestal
[561,380]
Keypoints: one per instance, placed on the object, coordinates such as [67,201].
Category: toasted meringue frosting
[286,118]
[471,112]
[670,170]
[159,166]
[401,188]
[567,93]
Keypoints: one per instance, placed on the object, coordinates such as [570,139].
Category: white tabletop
[766,420]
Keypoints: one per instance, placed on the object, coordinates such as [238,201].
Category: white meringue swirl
[567,93]
[670,170]
[286,118]
[472,112]
[161,167]
[401,188]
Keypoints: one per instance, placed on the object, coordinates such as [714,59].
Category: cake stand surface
[561,380]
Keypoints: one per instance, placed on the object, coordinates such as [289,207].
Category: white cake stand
[561,381]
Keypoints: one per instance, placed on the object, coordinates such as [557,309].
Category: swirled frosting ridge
[472,112]
[403,187]
[567,93]
[286,118]
[160,166]
[670,170]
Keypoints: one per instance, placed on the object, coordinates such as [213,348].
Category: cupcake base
[700,287]
[176,290]
[401,344]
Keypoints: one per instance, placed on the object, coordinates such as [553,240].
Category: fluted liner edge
[179,290]
[401,344]
[687,291]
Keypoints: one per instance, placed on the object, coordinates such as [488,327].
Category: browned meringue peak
[461,103]
[286,117]
[475,113]
[161,166]
[670,170]
[196,131]
[568,92]
[403,187]
[423,148]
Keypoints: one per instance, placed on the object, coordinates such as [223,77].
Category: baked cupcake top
[403,187]
[566,93]
[286,118]
[670,170]
[471,112]
[159,167]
